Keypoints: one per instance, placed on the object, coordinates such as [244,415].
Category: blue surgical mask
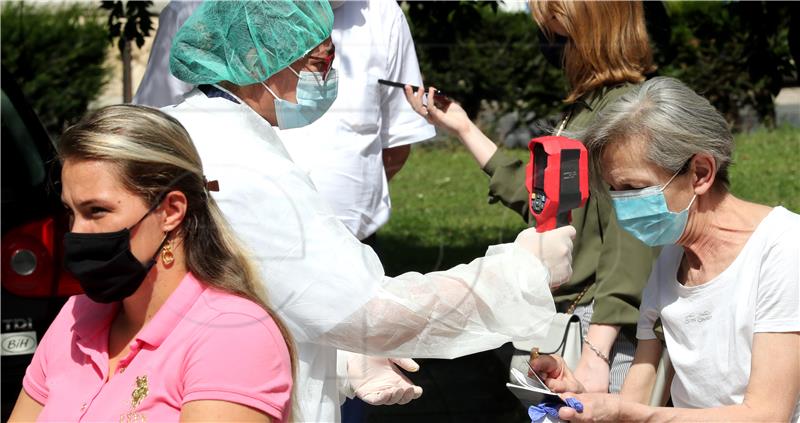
[645,215]
[315,94]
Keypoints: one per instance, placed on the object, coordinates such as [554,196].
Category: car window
[22,165]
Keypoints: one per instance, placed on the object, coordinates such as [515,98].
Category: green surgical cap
[246,42]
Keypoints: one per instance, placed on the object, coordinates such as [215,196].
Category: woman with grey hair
[726,286]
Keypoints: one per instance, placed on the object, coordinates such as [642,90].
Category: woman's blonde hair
[154,155]
[607,41]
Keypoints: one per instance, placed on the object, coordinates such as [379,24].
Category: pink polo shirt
[203,344]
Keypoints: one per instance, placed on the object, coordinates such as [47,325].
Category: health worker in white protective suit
[262,63]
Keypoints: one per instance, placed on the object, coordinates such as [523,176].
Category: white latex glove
[377,381]
[553,248]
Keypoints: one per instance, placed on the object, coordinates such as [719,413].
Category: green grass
[766,168]
[441,217]
[440,214]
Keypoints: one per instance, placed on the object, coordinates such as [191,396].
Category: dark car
[34,286]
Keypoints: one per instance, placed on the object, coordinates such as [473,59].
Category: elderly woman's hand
[555,374]
[596,408]
[450,116]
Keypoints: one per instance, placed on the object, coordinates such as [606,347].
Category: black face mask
[104,265]
[553,50]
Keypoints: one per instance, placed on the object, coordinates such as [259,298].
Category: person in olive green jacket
[604,49]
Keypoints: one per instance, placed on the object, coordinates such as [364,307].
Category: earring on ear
[166,253]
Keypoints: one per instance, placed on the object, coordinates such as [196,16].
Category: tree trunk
[127,89]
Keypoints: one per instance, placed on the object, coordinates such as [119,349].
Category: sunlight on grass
[766,168]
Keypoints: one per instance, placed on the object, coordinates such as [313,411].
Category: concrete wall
[787,107]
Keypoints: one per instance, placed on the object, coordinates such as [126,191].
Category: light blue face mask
[645,215]
[315,95]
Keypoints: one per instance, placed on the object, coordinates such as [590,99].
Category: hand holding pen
[442,112]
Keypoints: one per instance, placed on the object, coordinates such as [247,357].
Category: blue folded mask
[645,215]
[315,95]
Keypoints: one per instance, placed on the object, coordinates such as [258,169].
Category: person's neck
[253,96]
[159,284]
[717,230]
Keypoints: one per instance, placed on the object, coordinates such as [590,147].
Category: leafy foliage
[57,57]
[736,54]
[137,17]
[475,53]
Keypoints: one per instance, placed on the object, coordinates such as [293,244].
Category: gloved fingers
[550,247]
[560,274]
[406,397]
[376,397]
[411,394]
[397,395]
[567,231]
[531,241]
[570,247]
[392,396]
[383,397]
[560,241]
[406,364]
[528,234]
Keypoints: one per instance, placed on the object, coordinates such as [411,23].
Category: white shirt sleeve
[331,289]
[400,124]
[158,87]
[778,300]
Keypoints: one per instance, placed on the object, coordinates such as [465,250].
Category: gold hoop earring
[166,254]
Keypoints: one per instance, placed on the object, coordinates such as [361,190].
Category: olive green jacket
[616,264]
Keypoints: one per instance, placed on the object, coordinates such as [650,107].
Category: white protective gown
[331,289]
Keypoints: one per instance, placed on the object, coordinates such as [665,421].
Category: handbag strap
[564,121]
[574,304]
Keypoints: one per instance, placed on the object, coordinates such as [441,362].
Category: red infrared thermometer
[557,178]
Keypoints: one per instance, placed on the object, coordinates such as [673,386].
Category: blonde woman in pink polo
[171,326]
